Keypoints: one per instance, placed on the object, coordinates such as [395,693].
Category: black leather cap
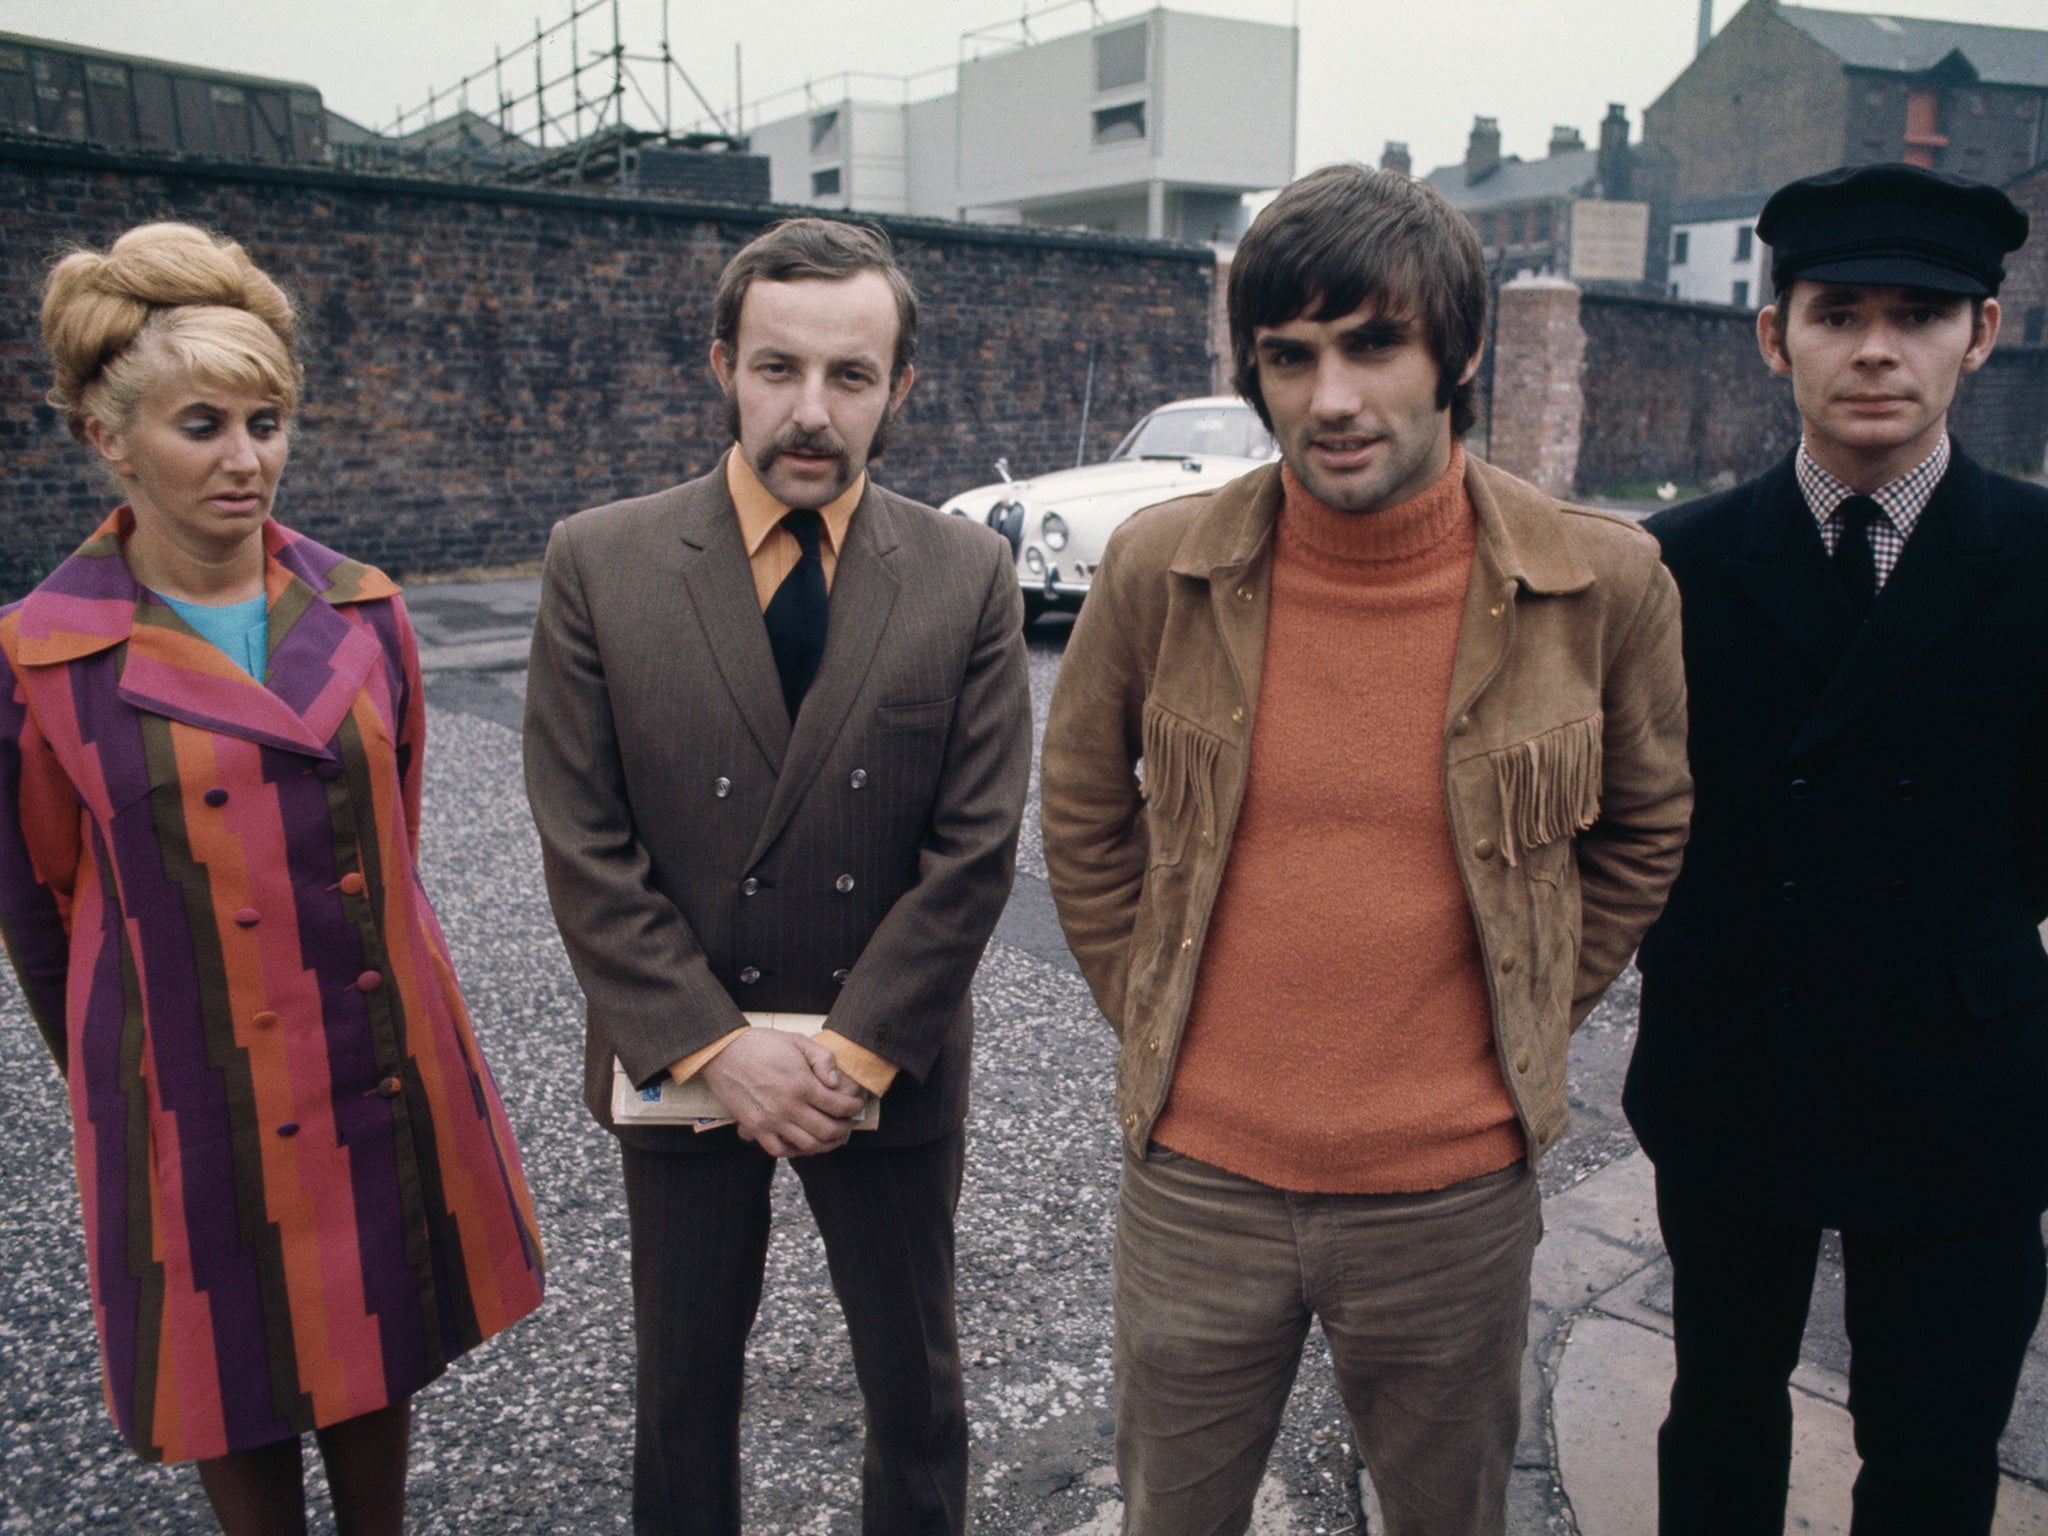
[1891,225]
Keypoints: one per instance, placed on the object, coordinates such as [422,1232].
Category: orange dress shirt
[772,551]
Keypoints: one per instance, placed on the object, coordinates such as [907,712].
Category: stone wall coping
[40,151]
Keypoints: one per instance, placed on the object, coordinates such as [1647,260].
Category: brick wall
[483,361]
[1764,105]
[1630,392]
[1677,391]
[2024,294]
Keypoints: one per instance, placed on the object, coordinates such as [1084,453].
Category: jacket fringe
[1549,786]
[1180,764]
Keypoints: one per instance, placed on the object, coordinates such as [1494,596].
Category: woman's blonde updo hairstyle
[164,295]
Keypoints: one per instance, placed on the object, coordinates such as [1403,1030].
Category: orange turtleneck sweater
[1341,1036]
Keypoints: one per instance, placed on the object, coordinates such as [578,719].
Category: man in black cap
[1845,1004]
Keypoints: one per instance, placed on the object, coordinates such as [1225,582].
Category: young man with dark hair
[1845,1006]
[777,741]
[1363,775]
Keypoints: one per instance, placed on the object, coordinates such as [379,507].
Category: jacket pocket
[1549,786]
[1999,978]
[1179,782]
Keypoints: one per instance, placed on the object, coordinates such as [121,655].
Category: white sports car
[1059,523]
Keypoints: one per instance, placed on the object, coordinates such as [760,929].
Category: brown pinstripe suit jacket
[704,856]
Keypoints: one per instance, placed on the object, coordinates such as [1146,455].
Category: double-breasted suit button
[328,771]
[352,884]
[858,778]
[1507,963]
[246,917]
[1522,1062]
[843,884]
[215,797]
[1483,848]
[1798,789]
[1789,891]
[1153,1045]
[1898,890]
[750,975]
[1461,725]
[1908,789]
[390,1088]
[721,787]
[370,981]
[1784,997]
[750,886]
[289,1129]
[840,975]
[264,1020]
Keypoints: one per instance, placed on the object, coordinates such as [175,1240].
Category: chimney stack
[1482,150]
[1564,137]
[1614,154]
[1395,158]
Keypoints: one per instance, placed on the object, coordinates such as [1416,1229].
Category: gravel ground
[530,1433]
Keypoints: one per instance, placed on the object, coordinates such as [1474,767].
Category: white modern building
[1154,125]
[1715,256]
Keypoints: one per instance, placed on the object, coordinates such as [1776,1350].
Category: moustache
[820,444]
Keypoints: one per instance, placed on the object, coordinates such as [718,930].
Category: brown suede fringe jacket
[1564,765]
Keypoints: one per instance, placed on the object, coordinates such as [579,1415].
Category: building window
[1745,243]
[1543,222]
[1681,246]
[1739,296]
[1120,58]
[825,183]
[1120,125]
[825,133]
[2037,322]
[1488,229]
[1674,290]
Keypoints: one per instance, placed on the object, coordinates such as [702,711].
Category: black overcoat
[1845,1003]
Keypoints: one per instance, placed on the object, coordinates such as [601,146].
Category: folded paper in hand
[665,1102]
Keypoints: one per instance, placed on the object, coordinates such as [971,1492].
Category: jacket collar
[318,658]
[1520,530]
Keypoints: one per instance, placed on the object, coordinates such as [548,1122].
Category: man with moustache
[1845,1006]
[1363,776]
[777,742]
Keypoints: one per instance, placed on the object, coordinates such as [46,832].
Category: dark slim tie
[1855,560]
[796,614]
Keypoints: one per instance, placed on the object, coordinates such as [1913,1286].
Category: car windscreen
[1196,433]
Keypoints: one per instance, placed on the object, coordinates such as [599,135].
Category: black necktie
[796,614]
[1855,560]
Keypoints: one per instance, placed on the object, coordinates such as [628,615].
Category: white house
[1715,256]
[1153,125]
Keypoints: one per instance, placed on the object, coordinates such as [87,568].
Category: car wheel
[1034,608]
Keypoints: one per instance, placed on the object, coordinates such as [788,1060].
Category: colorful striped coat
[301,1194]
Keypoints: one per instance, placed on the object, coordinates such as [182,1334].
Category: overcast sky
[1371,70]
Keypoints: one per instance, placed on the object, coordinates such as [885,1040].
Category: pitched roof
[1567,173]
[1909,45]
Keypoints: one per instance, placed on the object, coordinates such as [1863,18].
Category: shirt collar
[760,512]
[1902,500]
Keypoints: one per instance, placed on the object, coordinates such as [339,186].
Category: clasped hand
[786,1092]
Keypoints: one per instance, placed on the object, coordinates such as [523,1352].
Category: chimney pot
[1482,150]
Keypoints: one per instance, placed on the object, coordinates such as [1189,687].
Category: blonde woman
[301,1196]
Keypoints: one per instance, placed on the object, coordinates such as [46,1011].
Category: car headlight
[1054,531]
[1034,562]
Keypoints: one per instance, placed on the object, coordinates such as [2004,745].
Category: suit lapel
[1782,568]
[721,588]
[863,597]
[318,658]
[1942,576]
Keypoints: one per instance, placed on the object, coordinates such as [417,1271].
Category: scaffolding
[546,118]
